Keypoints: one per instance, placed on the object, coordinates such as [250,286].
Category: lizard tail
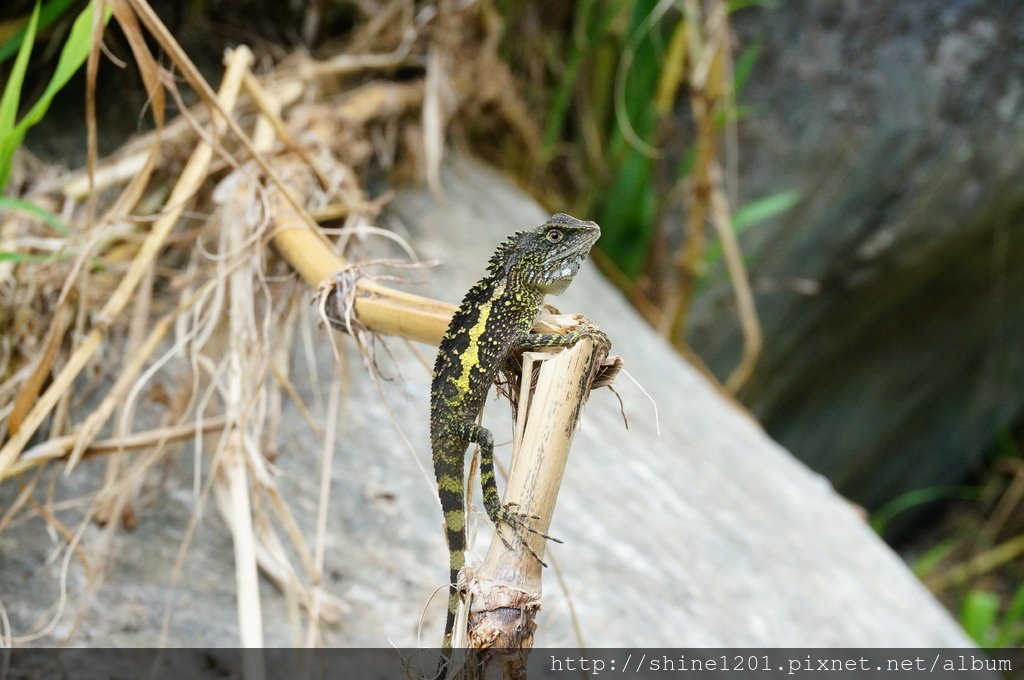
[455,533]
[445,661]
[453,608]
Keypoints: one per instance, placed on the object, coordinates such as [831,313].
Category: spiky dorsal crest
[504,257]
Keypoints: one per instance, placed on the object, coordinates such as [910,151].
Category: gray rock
[889,294]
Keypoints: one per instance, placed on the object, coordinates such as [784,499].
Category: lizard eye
[554,235]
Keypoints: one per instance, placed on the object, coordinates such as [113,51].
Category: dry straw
[189,210]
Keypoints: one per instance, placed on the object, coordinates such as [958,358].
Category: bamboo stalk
[269,106]
[378,308]
[505,591]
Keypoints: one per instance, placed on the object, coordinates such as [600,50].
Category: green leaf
[750,214]
[12,96]
[560,102]
[763,208]
[934,556]
[627,214]
[881,517]
[50,12]
[639,85]
[744,67]
[978,615]
[35,211]
[72,55]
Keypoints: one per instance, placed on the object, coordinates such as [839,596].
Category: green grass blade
[627,207]
[72,56]
[50,12]
[28,258]
[560,102]
[744,67]
[12,91]
[881,517]
[763,208]
[11,98]
[758,210]
[1011,630]
[34,210]
[927,563]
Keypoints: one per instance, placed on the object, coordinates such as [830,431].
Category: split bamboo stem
[505,591]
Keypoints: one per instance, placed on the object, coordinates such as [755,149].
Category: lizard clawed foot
[519,523]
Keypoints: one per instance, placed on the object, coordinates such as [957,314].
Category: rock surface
[707,535]
[889,295]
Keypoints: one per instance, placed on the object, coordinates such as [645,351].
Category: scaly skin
[494,319]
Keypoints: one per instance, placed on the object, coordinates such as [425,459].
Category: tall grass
[639,133]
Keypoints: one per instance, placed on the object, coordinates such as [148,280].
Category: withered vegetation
[182,248]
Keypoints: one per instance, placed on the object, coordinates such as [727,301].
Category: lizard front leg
[497,512]
[529,341]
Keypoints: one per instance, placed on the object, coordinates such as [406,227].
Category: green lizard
[495,318]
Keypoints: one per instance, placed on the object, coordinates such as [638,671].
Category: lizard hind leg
[519,522]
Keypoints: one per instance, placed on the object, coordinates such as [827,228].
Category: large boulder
[890,295]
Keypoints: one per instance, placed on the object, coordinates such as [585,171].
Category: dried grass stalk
[193,175]
[752,336]
[707,54]
[60,448]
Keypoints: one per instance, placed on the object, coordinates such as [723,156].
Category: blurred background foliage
[635,118]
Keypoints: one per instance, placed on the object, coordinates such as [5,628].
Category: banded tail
[448,467]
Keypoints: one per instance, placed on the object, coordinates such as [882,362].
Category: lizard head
[548,257]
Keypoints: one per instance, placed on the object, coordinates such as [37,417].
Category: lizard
[495,319]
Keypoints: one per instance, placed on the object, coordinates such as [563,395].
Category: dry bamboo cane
[377,308]
[504,593]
